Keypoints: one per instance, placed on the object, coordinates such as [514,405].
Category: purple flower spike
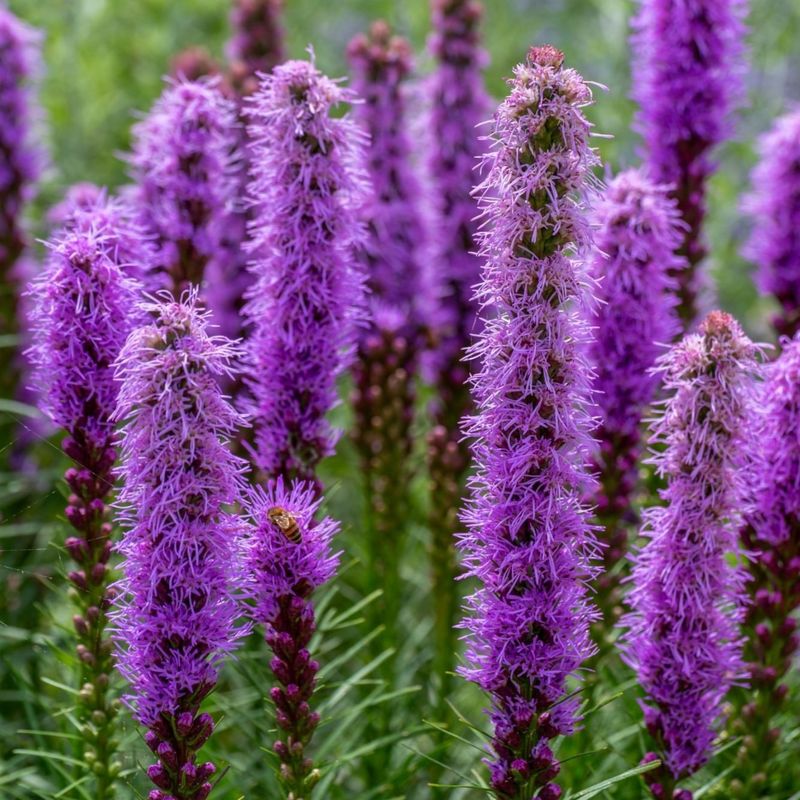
[688,76]
[639,230]
[308,295]
[530,542]
[683,637]
[182,569]
[772,537]
[83,307]
[183,165]
[257,46]
[458,104]
[289,557]
[774,205]
[381,62]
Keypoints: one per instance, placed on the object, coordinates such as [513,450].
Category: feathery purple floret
[308,297]
[458,105]
[184,166]
[638,232]
[688,76]
[774,205]
[530,542]
[182,568]
[289,556]
[381,62]
[683,637]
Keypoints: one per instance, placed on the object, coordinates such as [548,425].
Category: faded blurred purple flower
[307,188]
[182,569]
[530,542]
[184,166]
[638,232]
[774,205]
[687,78]
[257,45]
[683,638]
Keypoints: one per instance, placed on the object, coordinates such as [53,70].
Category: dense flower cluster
[257,45]
[529,540]
[308,296]
[687,602]
[83,308]
[178,615]
[638,230]
[289,557]
[380,63]
[184,168]
[772,537]
[775,207]
[688,72]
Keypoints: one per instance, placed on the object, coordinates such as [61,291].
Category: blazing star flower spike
[529,541]
[774,205]
[683,638]
[178,618]
[772,538]
[257,46]
[638,232]
[82,308]
[184,166]
[289,557]
[307,300]
[687,78]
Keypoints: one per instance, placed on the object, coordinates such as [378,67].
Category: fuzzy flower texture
[289,557]
[684,639]
[308,294]
[530,542]
[638,232]
[774,205]
[687,78]
[183,164]
[181,562]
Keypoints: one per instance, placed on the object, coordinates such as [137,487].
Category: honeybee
[286,523]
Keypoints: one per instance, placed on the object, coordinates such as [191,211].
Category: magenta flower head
[257,46]
[177,619]
[774,205]
[183,163]
[307,189]
[529,542]
[683,638]
[638,232]
[83,307]
[288,558]
[381,62]
[772,538]
[687,78]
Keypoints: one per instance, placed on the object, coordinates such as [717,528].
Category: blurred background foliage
[104,62]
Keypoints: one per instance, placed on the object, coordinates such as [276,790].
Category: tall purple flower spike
[308,297]
[289,557]
[184,166]
[687,599]
[530,542]
[687,77]
[458,104]
[772,537]
[257,45]
[83,307]
[774,205]
[20,165]
[638,232]
[177,619]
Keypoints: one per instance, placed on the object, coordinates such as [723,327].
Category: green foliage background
[104,62]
